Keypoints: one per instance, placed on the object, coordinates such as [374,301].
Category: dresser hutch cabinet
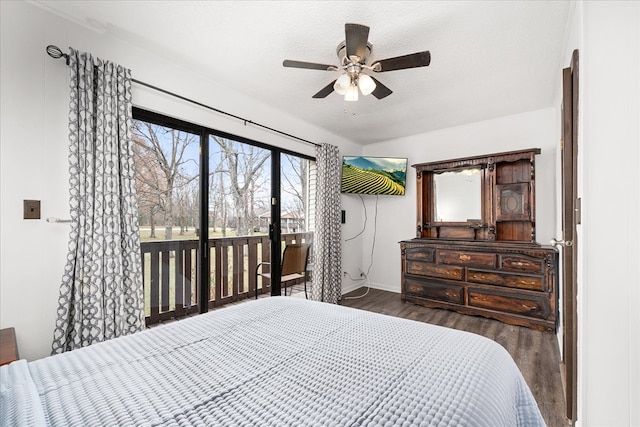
[475,250]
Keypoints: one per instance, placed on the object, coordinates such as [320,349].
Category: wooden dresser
[475,250]
[512,283]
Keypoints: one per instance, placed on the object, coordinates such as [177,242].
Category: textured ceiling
[488,59]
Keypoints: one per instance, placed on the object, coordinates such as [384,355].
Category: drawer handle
[529,307]
[518,263]
[464,257]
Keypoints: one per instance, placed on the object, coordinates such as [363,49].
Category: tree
[161,163]
[296,185]
[217,197]
[242,164]
[149,183]
[186,202]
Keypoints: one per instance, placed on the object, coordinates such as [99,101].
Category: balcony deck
[171,277]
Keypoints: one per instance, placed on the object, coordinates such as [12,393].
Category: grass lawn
[190,234]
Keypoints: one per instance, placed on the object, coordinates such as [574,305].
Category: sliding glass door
[213,206]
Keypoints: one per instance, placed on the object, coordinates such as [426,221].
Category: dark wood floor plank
[536,353]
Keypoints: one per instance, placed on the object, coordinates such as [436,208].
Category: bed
[275,362]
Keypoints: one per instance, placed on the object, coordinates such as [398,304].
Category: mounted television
[374,175]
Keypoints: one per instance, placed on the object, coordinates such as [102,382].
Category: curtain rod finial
[56,53]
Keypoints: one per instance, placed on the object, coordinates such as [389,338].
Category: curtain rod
[56,53]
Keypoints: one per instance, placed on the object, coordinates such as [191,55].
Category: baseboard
[385,287]
[380,286]
[350,287]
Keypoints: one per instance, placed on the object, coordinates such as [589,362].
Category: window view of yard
[239,213]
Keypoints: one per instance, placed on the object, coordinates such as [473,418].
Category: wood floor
[536,353]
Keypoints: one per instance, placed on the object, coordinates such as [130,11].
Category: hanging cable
[56,53]
[373,246]
[364,226]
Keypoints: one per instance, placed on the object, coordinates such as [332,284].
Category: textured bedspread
[275,361]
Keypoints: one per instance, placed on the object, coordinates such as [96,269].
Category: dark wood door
[570,217]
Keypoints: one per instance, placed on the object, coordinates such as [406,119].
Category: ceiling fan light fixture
[352,54]
[342,84]
[352,93]
[366,84]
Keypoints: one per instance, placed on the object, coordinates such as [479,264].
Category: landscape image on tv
[374,175]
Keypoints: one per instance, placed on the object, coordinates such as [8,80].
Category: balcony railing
[171,273]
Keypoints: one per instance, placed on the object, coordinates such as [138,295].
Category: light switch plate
[32,209]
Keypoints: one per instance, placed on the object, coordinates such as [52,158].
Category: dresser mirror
[458,196]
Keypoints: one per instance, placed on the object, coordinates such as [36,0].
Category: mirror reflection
[458,196]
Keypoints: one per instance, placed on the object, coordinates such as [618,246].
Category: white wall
[33,150]
[353,232]
[397,215]
[608,36]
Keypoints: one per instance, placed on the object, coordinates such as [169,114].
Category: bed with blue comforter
[277,361]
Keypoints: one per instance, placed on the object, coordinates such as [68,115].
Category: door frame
[275,231]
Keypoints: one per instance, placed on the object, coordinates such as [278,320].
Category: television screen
[374,175]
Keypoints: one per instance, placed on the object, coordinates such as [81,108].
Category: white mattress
[275,362]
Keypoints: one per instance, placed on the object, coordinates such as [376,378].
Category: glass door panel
[297,205]
[167,170]
[239,215]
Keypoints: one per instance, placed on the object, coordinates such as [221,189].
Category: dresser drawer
[420,254]
[521,264]
[519,281]
[513,283]
[434,290]
[476,259]
[433,270]
[525,305]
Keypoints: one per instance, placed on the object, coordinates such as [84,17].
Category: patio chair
[294,267]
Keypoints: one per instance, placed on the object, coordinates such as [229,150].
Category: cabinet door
[513,202]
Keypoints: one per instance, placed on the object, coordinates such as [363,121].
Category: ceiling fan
[353,53]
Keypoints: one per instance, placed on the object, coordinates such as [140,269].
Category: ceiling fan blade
[324,91]
[356,36]
[308,65]
[413,60]
[381,91]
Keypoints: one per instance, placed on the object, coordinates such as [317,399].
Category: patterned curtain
[327,282]
[101,294]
